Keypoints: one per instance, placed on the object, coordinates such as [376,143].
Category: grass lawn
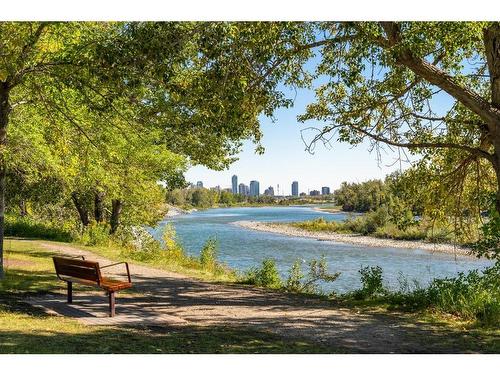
[24,329]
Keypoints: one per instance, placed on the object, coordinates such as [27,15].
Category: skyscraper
[199,184]
[295,188]
[254,189]
[243,189]
[325,190]
[234,180]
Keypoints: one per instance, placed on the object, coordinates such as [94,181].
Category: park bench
[73,270]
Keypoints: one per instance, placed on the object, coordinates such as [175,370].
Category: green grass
[24,329]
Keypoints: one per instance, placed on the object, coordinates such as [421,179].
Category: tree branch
[438,77]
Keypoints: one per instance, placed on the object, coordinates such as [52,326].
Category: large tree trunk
[4,120]
[99,206]
[80,207]
[116,210]
[492,50]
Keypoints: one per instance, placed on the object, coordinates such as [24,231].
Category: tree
[388,79]
[105,81]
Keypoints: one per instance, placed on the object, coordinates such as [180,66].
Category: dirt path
[161,297]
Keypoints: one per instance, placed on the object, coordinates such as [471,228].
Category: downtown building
[254,188]
[243,189]
[295,188]
[234,181]
[325,190]
[269,191]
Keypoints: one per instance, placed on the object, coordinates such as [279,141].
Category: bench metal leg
[70,292]
[111,296]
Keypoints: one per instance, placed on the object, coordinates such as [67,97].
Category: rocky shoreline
[352,239]
[175,211]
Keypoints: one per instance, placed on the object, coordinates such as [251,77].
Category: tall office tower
[254,189]
[242,189]
[325,190]
[295,188]
[199,184]
[234,180]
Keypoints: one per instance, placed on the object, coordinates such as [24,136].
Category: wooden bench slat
[79,272]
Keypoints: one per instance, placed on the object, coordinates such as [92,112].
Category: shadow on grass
[152,340]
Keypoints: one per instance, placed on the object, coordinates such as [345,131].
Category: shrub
[295,276]
[489,243]
[267,275]
[28,227]
[319,225]
[472,295]
[372,282]
[369,222]
[298,282]
[208,255]
[95,234]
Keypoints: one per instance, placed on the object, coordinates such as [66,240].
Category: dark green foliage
[266,275]
[368,223]
[360,197]
[299,283]
[372,283]
[489,244]
[30,228]
[473,296]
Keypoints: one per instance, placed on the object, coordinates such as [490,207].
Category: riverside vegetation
[472,297]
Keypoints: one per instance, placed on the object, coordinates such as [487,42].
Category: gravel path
[166,298]
[353,239]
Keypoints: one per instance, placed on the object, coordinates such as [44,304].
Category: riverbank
[352,239]
[176,211]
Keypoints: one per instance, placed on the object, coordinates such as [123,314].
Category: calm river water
[243,248]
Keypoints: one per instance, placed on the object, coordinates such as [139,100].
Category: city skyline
[253,188]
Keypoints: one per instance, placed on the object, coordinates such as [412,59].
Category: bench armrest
[116,264]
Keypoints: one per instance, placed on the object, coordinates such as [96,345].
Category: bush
[489,243]
[28,227]
[472,295]
[266,276]
[95,234]
[300,283]
[369,222]
[372,283]
[208,255]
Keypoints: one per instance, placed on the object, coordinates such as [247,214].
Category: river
[242,248]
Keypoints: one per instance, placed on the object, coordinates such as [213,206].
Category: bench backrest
[77,268]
